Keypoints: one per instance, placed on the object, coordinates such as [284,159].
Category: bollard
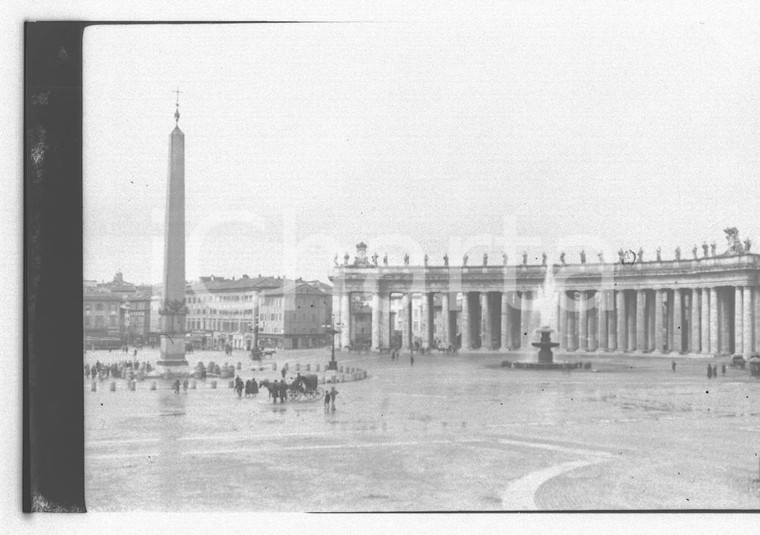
[213,385]
[153,385]
[93,387]
[112,388]
[231,384]
[193,385]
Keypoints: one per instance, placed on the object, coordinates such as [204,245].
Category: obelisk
[172,362]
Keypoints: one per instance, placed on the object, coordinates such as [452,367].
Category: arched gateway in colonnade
[701,305]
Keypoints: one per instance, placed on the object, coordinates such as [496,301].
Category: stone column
[385,313]
[572,325]
[445,319]
[593,333]
[630,310]
[601,320]
[704,310]
[738,320]
[376,315]
[723,322]
[512,320]
[465,321]
[621,320]
[756,303]
[345,319]
[485,321]
[406,321]
[611,322]
[426,321]
[748,338]
[659,338]
[525,321]
[564,337]
[583,322]
[337,318]
[641,326]
[694,339]
[714,341]
[677,321]
[504,322]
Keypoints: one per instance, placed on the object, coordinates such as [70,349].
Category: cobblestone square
[452,432]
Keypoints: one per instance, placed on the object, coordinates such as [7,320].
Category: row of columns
[605,320]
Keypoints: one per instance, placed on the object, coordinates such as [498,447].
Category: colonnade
[705,319]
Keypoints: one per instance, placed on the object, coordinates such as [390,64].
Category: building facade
[295,316]
[115,312]
[224,311]
[706,305]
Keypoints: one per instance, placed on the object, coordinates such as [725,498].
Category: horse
[275,389]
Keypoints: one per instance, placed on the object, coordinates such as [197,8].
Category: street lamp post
[329,329]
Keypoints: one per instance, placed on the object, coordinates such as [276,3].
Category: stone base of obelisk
[172,363]
[172,369]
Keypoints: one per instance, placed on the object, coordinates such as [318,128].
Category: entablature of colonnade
[737,270]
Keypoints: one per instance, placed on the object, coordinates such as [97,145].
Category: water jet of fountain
[548,300]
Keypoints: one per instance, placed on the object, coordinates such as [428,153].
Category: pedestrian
[239,386]
[411,358]
[247,387]
[283,371]
[715,371]
[327,400]
[184,386]
[709,371]
[135,353]
[673,365]
[283,391]
[333,395]
[723,370]
[254,387]
[176,386]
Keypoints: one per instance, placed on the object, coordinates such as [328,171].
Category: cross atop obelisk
[176,111]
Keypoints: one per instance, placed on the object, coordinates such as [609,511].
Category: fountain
[545,345]
[548,317]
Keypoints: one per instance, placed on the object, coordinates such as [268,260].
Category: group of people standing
[250,387]
[396,353]
[115,370]
[185,384]
[712,371]
[330,396]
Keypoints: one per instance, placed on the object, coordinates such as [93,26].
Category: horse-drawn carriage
[305,387]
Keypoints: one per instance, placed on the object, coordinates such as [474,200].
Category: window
[87,321]
[99,306]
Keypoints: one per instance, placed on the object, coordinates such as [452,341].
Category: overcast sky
[534,129]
